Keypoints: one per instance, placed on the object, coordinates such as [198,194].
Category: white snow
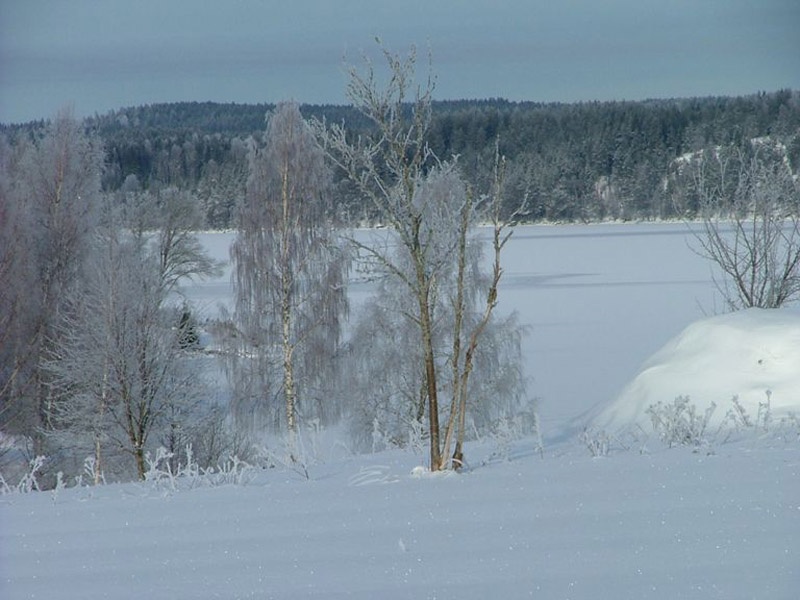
[650,522]
[667,525]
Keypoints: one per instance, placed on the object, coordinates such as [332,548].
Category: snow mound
[743,354]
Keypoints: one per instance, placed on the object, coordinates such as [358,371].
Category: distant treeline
[568,162]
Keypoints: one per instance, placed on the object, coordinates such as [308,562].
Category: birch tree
[290,274]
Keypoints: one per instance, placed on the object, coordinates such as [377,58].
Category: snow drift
[744,354]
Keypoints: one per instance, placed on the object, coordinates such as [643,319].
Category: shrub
[679,424]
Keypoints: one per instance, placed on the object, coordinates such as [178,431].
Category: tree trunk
[138,455]
[290,394]
[430,379]
[456,407]
[423,287]
[289,385]
[97,472]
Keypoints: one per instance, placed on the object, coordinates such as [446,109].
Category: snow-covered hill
[752,354]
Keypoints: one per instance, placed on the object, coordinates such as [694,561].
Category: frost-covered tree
[477,356]
[430,213]
[121,374]
[290,274]
[51,194]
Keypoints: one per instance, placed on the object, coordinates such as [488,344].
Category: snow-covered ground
[667,525]
[721,520]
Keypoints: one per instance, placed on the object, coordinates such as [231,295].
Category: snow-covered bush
[90,471]
[511,428]
[739,418]
[313,444]
[739,421]
[597,442]
[59,485]
[789,428]
[15,452]
[679,423]
[506,429]
[188,474]
[418,436]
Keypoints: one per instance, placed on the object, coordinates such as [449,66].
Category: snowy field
[717,521]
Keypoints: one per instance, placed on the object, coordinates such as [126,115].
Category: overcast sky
[99,55]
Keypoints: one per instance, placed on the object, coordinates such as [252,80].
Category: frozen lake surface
[598,300]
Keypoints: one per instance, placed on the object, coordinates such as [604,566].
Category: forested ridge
[572,162]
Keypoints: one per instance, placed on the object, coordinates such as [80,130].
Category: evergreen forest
[580,162]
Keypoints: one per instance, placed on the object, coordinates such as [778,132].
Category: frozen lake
[598,301]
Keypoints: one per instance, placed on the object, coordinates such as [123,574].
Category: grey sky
[103,54]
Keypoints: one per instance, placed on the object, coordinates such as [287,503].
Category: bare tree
[387,169]
[290,273]
[462,305]
[430,213]
[751,225]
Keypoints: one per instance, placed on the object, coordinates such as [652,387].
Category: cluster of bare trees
[426,355]
[95,357]
[415,355]
[51,195]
